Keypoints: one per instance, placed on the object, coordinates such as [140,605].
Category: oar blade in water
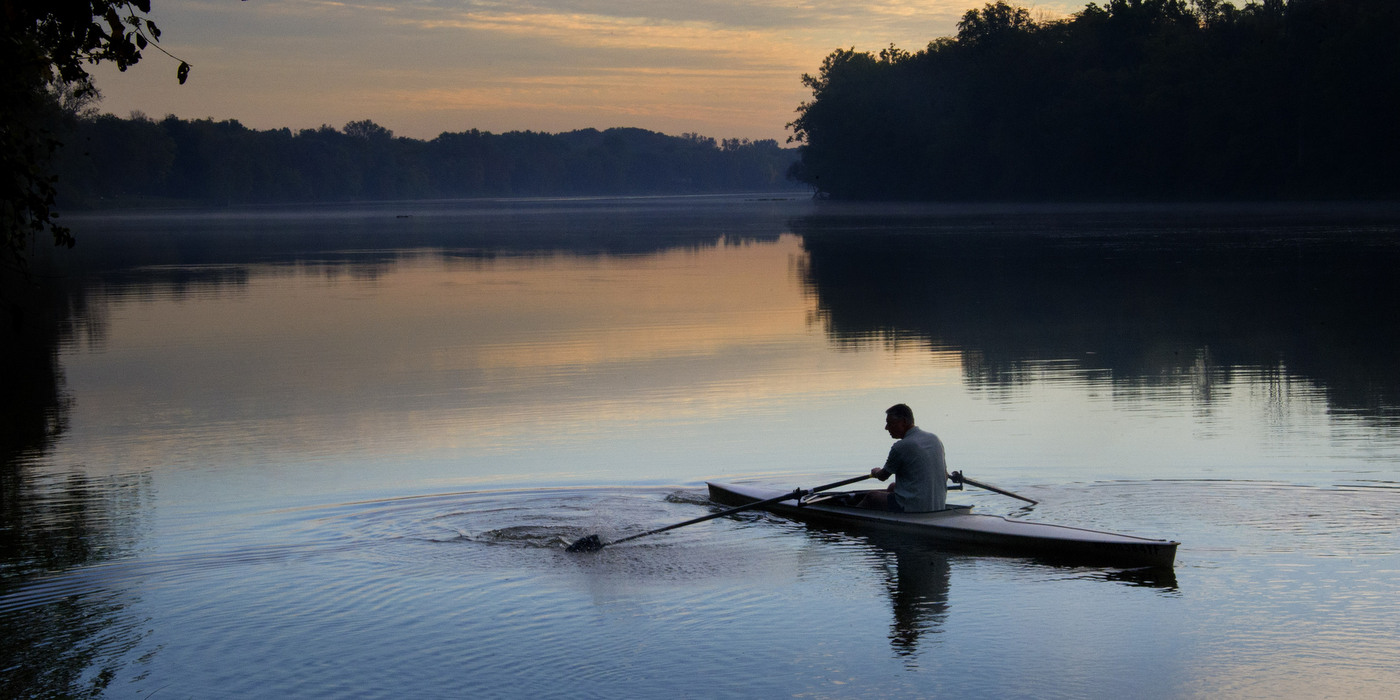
[591,543]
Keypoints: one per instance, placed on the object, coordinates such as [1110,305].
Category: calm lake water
[338,452]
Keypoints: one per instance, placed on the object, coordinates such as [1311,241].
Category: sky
[719,68]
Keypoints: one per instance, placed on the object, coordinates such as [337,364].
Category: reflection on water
[410,595]
[339,452]
[390,335]
[919,596]
[1143,301]
[916,578]
[916,581]
[54,523]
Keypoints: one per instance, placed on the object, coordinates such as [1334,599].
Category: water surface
[337,453]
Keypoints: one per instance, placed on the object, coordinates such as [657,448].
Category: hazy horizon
[420,68]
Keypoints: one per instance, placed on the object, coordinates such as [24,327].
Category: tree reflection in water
[55,643]
[1143,298]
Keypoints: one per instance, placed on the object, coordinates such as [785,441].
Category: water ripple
[399,597]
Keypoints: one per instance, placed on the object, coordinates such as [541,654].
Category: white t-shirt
[920,471]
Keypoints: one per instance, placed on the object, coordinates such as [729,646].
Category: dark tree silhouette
[46,47]
[1132,99]
[124,161]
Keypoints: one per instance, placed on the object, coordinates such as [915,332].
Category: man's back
[920,470]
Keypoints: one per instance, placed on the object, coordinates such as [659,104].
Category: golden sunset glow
[595,343]
[718,68]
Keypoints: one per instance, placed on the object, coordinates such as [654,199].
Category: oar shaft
[989,487]
[748,506]
[843,482]
[795,493]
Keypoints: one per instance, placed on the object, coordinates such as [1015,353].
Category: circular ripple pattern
[1277,587]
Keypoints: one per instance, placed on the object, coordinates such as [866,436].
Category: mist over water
[320,453]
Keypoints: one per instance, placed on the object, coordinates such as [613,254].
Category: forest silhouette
[1128,100]
[108,160]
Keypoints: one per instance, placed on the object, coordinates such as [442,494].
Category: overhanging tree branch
[44,43]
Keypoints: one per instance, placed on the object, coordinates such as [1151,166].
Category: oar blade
[591,543]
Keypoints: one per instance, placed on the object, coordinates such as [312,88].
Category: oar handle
[958,477]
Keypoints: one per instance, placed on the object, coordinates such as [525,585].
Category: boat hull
[958,526]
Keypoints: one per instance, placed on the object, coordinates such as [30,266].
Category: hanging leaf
[141,41]
[153,29]
[183,72]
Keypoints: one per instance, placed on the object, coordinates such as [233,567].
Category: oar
[958,477]
[593,543]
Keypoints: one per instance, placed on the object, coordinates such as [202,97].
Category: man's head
[899,418]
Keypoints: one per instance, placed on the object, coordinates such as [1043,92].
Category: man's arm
[893,463]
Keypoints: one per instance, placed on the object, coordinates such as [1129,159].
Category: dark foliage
[112,160]
[46,47]
[1134,99]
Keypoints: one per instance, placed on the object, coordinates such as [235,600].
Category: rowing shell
[957,525]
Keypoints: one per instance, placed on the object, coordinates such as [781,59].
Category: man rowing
[917,464]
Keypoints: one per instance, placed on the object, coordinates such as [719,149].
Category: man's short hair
[901,412]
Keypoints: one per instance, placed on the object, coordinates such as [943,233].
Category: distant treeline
[1131,99]
[108,159]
